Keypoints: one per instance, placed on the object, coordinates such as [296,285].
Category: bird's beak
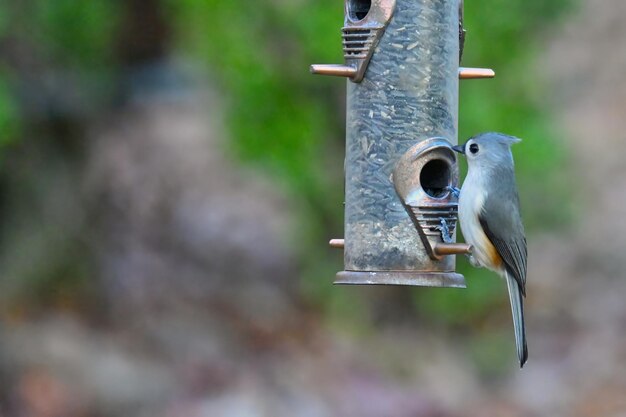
[459,148]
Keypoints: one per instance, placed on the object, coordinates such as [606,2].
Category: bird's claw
[456,192]
[444,229]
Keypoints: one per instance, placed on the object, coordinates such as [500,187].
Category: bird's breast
[471,202]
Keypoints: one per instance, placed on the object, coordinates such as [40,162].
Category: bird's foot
[444,229]
[456,192]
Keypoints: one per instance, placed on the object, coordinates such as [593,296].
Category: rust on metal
[444,249]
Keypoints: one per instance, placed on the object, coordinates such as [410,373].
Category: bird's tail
[517,309]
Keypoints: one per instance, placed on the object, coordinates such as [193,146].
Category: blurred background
[170,174]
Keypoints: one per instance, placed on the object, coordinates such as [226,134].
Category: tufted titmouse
[490,219]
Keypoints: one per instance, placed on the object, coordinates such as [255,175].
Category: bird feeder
[402,62]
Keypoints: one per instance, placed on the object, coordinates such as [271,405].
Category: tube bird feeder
[402,59]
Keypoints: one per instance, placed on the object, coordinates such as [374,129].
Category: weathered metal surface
[409,94]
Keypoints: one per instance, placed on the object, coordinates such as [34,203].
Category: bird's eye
[473,148]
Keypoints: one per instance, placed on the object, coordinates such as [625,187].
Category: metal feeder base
[420,279]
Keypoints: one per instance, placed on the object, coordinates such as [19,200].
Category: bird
[490,220]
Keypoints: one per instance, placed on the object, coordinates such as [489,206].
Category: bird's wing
[502,223]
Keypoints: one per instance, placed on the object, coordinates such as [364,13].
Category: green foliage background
[291,124]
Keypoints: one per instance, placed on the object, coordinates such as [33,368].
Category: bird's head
[488,149]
